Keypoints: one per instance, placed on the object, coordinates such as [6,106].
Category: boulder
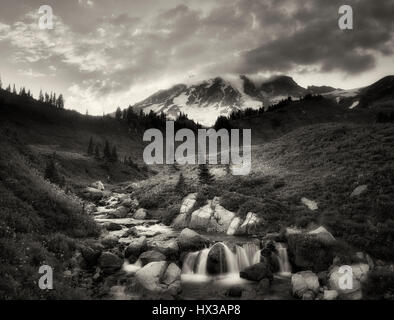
[348,290]
[234,225]
[112,226]
[323,235]
[221,219]
[308,295]
[109,262]
[149,276]
[359,190]
[249,225]
[263,286]
[120,212]
[180,222]
[98,185]
[157,280]
[169,248]
[312,205]
[132,204]
[256,272]
[93,194]
[190,240]
[109,241]
[216,260]
[188,203]
[307,251]
[151,256]
[90,255]
[172,274]
[304,282]
[135,248]
[330,295]
[290,231]
[200,218]
[140,214]
[234,292]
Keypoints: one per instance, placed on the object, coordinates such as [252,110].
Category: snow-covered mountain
[205,101]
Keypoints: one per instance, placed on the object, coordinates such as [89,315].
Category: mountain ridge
[206,100]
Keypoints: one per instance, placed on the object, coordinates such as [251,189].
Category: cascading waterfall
[284,264]
[244,256]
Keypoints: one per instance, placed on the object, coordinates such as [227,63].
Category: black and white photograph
[193,150]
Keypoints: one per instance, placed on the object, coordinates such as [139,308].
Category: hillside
[46,131]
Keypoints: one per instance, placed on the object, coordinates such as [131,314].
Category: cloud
[108,53]
[318,41]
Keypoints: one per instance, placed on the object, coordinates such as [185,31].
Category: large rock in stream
[109,262]
[257,272]
[352,289]
[190,240]
[151,256]
[135,248]
[158,279]
[200,218]
[216,260]
[305,285]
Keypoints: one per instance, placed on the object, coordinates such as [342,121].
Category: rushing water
[235,261]
[284,264]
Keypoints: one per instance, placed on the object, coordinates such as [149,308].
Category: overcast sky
[102,54]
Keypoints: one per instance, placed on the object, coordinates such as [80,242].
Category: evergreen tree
[107,151]
[41,97]
[8,88]
[47,99]
[114,154]
[90,147]
[118,114]
[52,174]
[1,83]
[14,89]
[60,102]
[180,185]
[204,176]
[97,152]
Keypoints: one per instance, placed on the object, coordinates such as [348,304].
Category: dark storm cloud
[317,40]
[108,51]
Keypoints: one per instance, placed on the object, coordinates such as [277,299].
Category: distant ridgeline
[46,104]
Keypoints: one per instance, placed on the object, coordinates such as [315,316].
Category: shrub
[379,283]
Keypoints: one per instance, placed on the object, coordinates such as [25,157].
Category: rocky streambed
[210,253]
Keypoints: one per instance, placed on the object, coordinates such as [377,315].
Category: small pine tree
[180,185]
[41,96]
[114,154]
[107,150]
[51,172]
[1,83]
[14,89]
[8,88]
[60,102]
[204,176]
[90,147]
[118,114]
[97,152]
[47,98]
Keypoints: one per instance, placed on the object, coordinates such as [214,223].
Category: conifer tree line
[108,153]
[49,98]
